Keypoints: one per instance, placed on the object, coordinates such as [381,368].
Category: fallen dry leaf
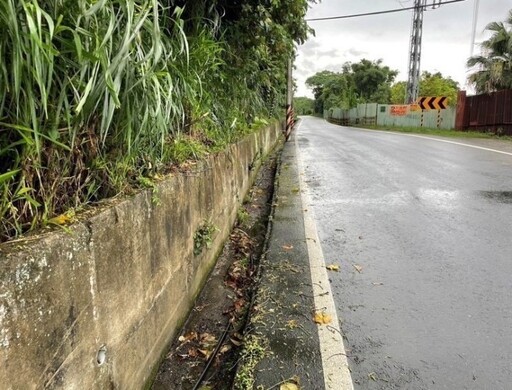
[200,308]
[188,337]
[239,304]
[237,339]
[236,342]
[322,318]
[60,220]
[192,353]
[333,267]
[207,338]
[288,386]
[358,268]
[206,353]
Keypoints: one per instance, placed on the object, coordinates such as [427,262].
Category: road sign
[433,103]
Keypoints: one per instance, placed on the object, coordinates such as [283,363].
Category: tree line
[372,82]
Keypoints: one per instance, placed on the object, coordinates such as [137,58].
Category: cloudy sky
[446,36]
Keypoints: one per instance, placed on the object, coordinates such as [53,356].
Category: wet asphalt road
[422,230]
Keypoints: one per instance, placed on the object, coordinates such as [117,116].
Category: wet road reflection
[421,231]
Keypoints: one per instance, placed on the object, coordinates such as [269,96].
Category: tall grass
[90,92]
[95,94]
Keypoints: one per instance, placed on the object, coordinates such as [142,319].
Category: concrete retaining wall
[96,308]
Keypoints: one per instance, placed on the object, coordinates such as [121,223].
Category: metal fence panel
[487,112]
[383,115]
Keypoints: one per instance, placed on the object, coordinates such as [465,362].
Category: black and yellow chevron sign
[433,103]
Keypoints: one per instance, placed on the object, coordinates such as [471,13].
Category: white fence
[392,115]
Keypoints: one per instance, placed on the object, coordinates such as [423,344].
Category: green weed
[242,216]
[185,148]
[203,237]
[254,350]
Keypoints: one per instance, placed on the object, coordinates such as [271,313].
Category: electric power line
[381,12]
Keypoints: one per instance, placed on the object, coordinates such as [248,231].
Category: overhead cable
[380,12]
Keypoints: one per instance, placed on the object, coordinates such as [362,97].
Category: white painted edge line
[436,139]
[337,374]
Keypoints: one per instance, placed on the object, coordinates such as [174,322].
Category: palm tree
[494,65]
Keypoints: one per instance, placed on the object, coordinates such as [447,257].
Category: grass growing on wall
[97,94]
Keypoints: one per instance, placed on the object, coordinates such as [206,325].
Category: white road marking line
[436,139]
[337,374]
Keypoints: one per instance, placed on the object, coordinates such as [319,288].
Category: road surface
[422,230]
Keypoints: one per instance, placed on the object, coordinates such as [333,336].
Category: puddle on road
[497,196]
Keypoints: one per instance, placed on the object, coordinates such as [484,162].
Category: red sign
[399,110]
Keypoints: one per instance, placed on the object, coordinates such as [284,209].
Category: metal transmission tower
[413,82]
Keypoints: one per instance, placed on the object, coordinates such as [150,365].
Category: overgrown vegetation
[363,82]
[431,84]
[95,94]
[253,352]
[492,69]
[203,237]
[303,105]
[242,216]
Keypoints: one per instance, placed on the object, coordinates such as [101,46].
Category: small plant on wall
[203,237]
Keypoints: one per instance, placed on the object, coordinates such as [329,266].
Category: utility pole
[289,100]
[413,82]
[473,32]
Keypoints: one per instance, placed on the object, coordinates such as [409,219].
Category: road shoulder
[283,320]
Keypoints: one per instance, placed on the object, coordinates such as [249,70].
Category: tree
[398,92]
[494,65]
[431,84]
[372,80]
[321,83]
[303,105]
[362,82]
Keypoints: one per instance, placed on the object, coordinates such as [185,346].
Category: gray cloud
[446,38]
[357,53]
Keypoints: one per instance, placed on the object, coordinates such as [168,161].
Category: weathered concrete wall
[121,283]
